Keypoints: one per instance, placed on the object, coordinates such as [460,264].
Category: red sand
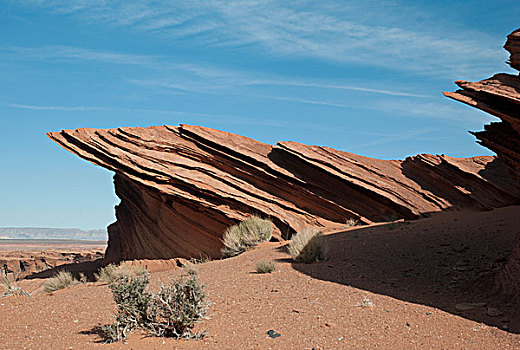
[414,273]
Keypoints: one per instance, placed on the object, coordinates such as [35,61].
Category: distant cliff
[51,233]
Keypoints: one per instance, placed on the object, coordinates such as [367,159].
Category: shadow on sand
[87,268]
[441,261]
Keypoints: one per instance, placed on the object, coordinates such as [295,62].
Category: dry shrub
[61,280]
[82,278]
[129,292]
[308,246]
[112,273]
[176,307]
[191,268]
[246,235]
[10,287]
[171,312]
[351,223]
[265,266]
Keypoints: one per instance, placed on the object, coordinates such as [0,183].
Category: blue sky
[360,76]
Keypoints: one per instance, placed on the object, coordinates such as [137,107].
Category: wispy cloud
[74,54]
[402,135]
[335,30]
[301,100]
[194,116]
[341,87]
[209,77]
[57,108]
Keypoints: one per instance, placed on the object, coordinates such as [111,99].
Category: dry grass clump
[351,223]
[10,287]
[171,312]
[366,303]
[308,246]
[246,235]
[61,280]
[265,266]
[83,278]
[112,273]
[106,274]
[191,268]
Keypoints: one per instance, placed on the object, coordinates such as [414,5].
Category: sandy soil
[414,274]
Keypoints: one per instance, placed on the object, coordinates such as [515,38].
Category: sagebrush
[129,292]
[171,312]
[308,245]
[61,280]
[176,307]
[246,235]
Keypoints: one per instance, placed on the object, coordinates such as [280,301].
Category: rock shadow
[439,263]
[88,268]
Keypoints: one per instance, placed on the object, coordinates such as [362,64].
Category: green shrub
[61,280]
[246,235]
[308,246]
[265,266]
[171,312]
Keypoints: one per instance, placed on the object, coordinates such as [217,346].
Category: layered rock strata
[181,187]
[500,96]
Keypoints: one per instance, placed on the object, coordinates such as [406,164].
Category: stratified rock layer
[500,96]
[181,187]
[513,46]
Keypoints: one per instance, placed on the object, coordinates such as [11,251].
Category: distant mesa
[52,233]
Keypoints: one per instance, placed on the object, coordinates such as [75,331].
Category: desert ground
[388,286]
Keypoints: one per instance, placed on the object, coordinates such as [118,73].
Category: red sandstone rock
[181,187]
[513,46]
[500,96]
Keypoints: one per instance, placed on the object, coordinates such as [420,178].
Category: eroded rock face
[181,187]
[26,263]
[513,46]
[500,96]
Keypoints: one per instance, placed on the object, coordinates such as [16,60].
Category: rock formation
[181,187]
[500,96]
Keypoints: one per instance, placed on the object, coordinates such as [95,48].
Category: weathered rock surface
[500,96]
[513,46]
[181,187]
